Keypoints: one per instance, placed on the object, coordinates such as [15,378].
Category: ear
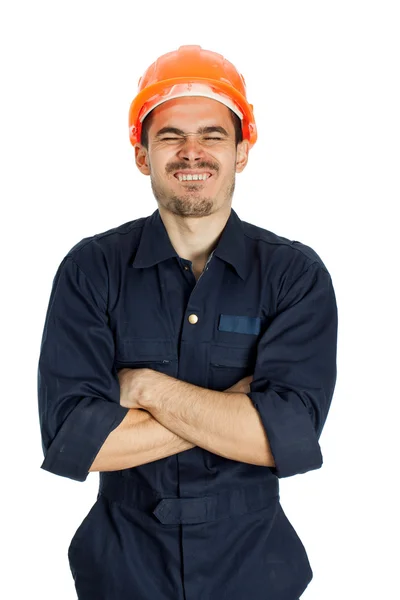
[142,159]
[242,155]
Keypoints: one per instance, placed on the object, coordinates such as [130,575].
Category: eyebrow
[201,130]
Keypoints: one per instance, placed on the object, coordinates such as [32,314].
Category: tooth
[193,177]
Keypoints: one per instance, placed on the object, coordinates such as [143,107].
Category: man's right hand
[242,386]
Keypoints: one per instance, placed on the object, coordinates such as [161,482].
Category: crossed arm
[168,416]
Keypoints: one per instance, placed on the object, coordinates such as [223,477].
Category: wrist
[152,384]
[157,390]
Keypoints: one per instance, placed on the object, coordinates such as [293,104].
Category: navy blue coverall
[195,525]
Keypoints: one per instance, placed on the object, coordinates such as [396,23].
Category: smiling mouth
[197,177]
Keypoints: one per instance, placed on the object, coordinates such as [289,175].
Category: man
[190,358]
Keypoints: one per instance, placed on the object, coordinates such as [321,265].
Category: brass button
[193,319]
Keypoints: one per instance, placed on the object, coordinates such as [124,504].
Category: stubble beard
[188,205]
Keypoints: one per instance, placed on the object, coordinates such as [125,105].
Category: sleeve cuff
[290,432]
[81,436]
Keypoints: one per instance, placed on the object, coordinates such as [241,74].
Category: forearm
[139,439]
[223,423]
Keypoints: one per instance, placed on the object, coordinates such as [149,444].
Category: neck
[194,238]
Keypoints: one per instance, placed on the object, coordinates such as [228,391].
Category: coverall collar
[155,245]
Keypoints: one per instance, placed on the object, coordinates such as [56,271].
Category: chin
[185,207]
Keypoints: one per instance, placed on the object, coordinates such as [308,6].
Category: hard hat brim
[160,92]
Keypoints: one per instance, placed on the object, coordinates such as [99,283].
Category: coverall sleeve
[295,372]
[78,387]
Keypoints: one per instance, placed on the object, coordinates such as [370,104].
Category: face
[192,156]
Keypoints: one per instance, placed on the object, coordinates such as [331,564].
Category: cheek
[159,163]
[227,170]
[226,160]
[157,170]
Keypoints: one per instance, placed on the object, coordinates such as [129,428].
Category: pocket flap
[229,356]
[145,350]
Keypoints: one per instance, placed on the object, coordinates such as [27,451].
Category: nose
[191,150]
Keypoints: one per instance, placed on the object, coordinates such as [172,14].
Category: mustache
[172,167]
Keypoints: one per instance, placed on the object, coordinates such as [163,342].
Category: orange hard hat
[191,71]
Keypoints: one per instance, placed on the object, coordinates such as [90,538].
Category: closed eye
[202,139]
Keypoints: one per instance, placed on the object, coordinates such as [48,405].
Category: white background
[324,81]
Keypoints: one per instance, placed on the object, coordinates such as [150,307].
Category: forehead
[190,113]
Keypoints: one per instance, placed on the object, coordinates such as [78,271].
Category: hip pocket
[286,561]
[89,554]
[83,529]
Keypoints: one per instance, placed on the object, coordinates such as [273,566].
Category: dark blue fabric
[265,306]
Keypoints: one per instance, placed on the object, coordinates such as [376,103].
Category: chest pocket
[229,364]
[158,355]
